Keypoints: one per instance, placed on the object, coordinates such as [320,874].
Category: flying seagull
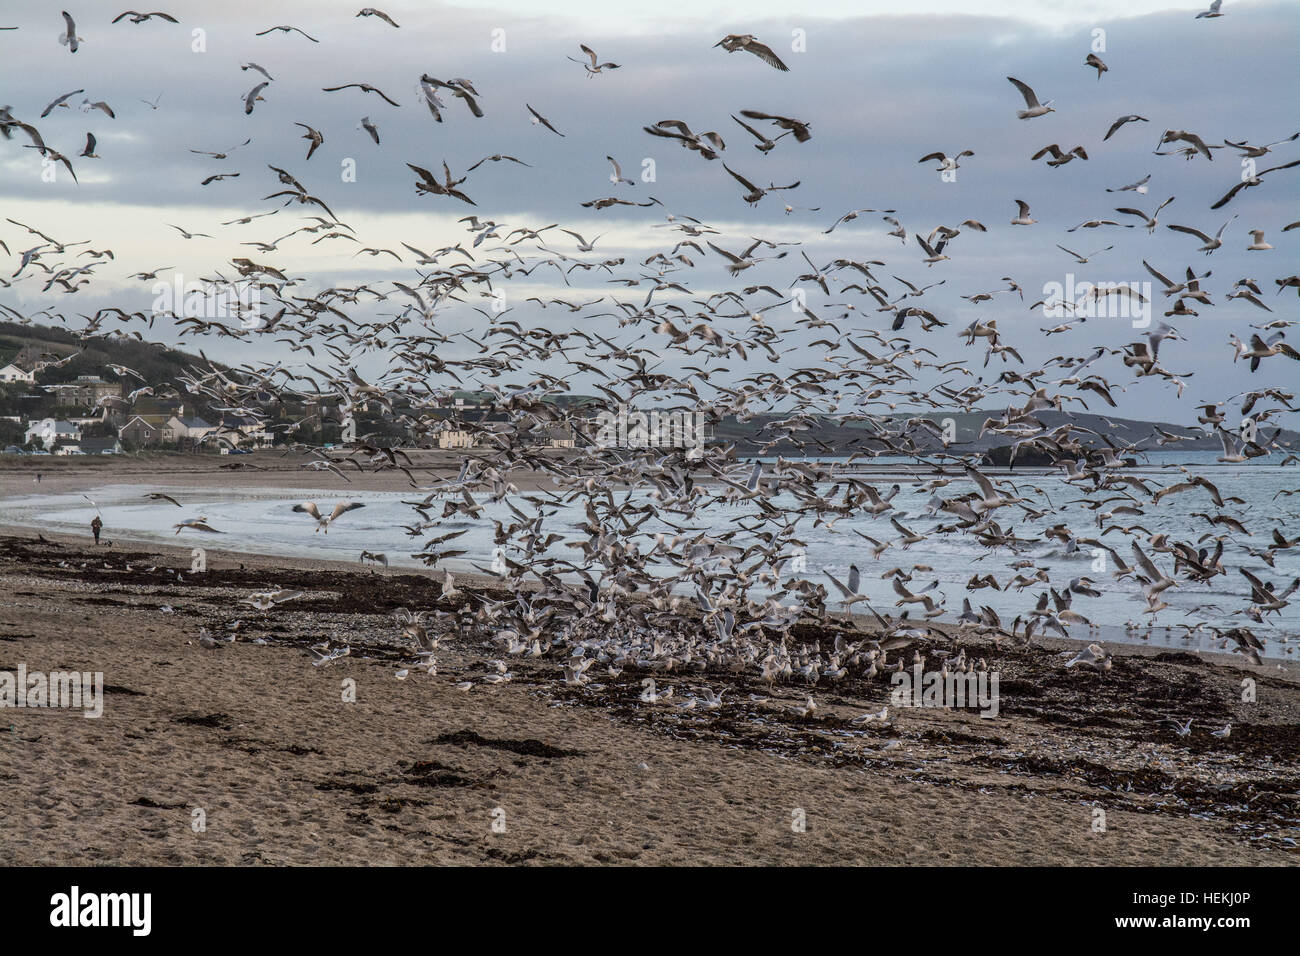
[323,523]
[617,176]
[287,29]
[1130,118]
[69,37]
[142,17]
[745,41]
[372,12]
[539,118]
[1210,243]
[1032,106]
[364,87]
[314,136]
[595,67]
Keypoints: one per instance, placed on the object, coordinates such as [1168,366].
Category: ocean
[261,521]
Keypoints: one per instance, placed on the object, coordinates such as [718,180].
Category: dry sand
[416,771]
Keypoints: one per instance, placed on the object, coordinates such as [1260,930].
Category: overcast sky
[879,87]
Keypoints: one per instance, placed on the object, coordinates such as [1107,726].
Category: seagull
[323,523]
[265,600]
[1094,655]
[1083,260]
[315,137]
[798,127]
[1095,61]
[1022,217]
[1060,158]
[1224,732]
[159,496]
[1151,221]
[879,716]
[1259,245]
[945,161]
[287,29]
[1032,106]
[495,158]
[850,591]
[1182,730]
[372,12]
[617,176]
[1255,152]
[196,524]
[87,106]
[69,37]
[1255,181]
[370,128]
[253,95]
[1180,135]
[764,144]
[1210,244]
[1212,12]
[210,643]
[364,87]
[1261,349]
[804,710]
[595,67]
[89,152]
[1139,187]
[1130,118]
[189,235]
[583,244]
[142,17]
[539,118]
[429,184]
[746,41]
[58,102]
[755,193]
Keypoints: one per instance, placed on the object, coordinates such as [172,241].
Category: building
[455,438]
[243,431]
[556,436]
[50,431]
[181,427]
[84,391]
[100,446]
[143,430]
[16,373]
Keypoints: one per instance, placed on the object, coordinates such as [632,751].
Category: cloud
[879,88]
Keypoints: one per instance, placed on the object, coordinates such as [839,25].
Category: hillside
[157,363]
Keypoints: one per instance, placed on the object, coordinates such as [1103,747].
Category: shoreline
[414,770]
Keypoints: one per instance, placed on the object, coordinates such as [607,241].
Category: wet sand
[416,771]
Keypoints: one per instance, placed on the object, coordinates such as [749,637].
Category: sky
[880,85]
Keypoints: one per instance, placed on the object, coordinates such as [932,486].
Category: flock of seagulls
[649,584]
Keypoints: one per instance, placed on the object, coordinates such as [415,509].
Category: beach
[248,754]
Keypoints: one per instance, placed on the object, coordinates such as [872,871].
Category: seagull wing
[1031,100]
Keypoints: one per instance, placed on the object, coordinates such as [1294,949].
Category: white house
[455,438]
[242,431]
[191,427]
[49,430]
[16,373]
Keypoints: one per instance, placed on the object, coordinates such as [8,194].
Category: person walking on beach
[95,527]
